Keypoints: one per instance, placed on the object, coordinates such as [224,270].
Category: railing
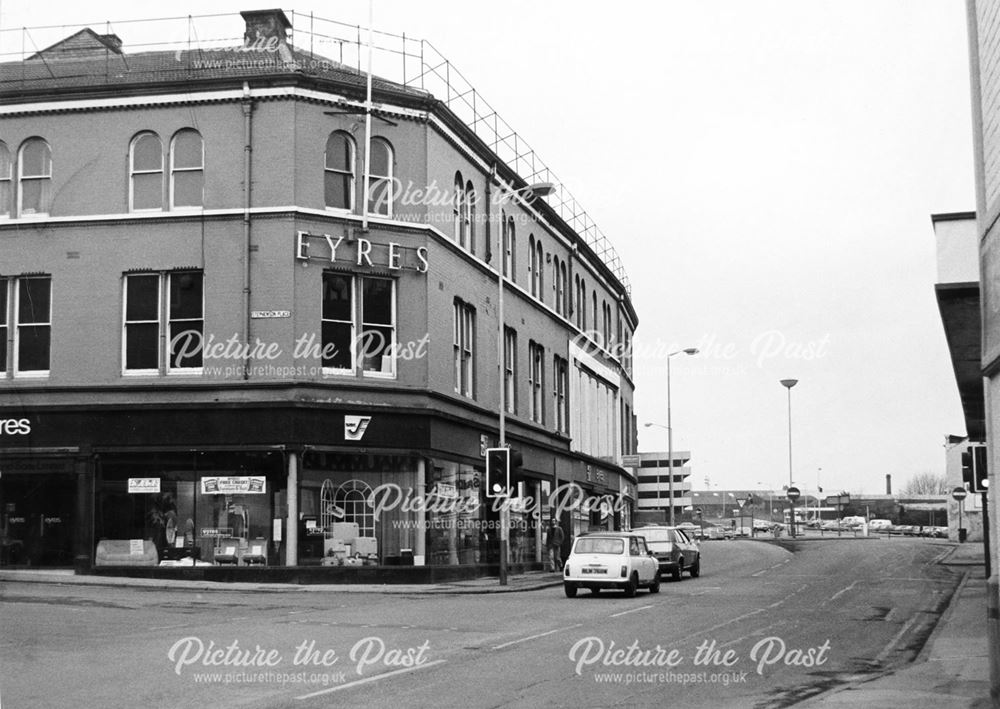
[412,62]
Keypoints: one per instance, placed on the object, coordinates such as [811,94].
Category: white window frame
[464,348]
[536,382]
[5,318]
[174,170]
[169,325]
[391,374]
[7,204]
[560,393]
[17,324]
[133,172]
[469,216]
[340,371]
[21,178]
[510,369]
[161,355]
[351,172]
[374,178]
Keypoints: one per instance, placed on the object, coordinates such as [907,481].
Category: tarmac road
[762,627]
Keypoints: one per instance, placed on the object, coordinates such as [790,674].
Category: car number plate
[595,571]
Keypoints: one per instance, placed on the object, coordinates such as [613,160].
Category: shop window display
[341,522]
[193,507]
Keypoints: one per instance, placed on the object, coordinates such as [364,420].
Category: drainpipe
[368,125]
[247,149]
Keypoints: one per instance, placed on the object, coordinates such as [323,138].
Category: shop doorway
[37,525]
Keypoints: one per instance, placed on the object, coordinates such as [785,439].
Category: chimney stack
[267,30]
[888,484]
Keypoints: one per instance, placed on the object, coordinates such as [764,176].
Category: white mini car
[618,560]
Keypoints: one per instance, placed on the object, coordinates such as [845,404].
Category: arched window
[458,209]
[380,183]
[352,498]
[187,170]
[338,171]
[562,296]
[470,215]
[6,183]
[593,303]
[539,269]
[34,177]
[531,265]
[146,172]
[510,250]
[581,304]
[555,284]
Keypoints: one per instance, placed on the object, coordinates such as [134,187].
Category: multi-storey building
[239,302]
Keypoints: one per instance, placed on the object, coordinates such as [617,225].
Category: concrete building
[653,478]
[957,291]
[240,305]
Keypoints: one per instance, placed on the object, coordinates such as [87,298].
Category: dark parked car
[674,550]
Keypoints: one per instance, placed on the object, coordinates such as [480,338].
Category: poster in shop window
[234,485]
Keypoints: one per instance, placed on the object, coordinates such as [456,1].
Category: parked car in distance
[879,524]
[616,560]
[674,550]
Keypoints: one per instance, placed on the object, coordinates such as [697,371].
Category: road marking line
[891,645]
[534,637]
[633,610]
[366,680]
[842,591]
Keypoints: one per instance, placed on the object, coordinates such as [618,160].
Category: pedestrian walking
[553,543]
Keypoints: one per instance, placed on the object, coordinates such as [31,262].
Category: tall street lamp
[527,194]
[670,436]
[788,384]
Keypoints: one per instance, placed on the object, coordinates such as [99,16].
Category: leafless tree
[926,483]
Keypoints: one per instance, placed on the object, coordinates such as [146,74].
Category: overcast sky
[767,171]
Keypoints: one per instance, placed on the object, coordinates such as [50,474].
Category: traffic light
[497,472]
[502,465]
[979,469]
[967,468]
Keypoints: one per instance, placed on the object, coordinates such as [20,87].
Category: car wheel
[696,569]
[570,589]
[678,571]
[655,586]
[632,585]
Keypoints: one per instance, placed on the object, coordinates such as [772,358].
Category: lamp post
[540,189]
[670,433]
[788,384]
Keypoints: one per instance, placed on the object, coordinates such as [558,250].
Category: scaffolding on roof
[411,62]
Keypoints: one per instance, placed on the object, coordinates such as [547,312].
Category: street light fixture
[670,437]
[788,384]
[527,193]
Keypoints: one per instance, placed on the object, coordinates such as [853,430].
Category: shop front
[38,511]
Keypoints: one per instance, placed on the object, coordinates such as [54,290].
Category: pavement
[951,671]
[530,581]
